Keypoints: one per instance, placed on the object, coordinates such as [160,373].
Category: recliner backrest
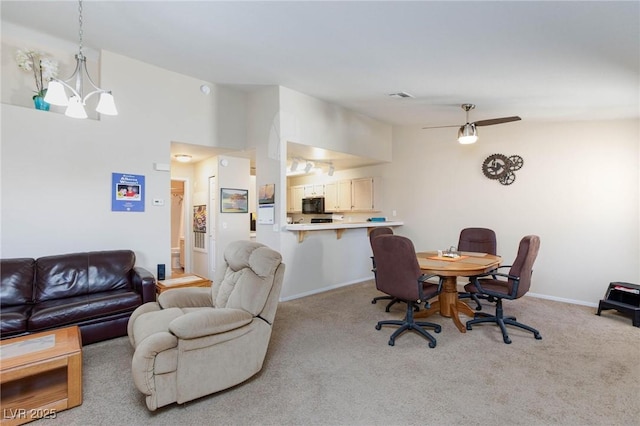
[397,268]
[481,240]
[246,278]
[523,265]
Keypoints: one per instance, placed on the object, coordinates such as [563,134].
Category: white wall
[310,121]
[56,171]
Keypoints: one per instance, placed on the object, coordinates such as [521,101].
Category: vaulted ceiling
[541,60]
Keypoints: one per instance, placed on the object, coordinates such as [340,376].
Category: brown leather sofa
[97,291]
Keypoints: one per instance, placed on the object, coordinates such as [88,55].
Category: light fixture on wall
[331,169]
[183,158]
[308,167]
[468,134]
[294,165]
[56,94]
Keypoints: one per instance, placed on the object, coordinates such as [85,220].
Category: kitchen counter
[339,227]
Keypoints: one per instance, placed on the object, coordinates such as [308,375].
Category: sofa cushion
[77,274]
[17,281]
[74,310]
[14,319]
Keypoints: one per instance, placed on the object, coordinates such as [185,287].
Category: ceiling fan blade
[497,121]
[440,127]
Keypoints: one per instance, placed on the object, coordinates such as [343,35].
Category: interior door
[213,208]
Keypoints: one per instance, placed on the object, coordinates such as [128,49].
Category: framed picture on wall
[200,218]
[234,200]
[267,193]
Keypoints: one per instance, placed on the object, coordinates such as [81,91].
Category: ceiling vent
[401,95]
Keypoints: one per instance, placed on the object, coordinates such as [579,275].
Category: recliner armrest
[144,283]
[190,297]
[206,322]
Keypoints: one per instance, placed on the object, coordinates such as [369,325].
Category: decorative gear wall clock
[501,168]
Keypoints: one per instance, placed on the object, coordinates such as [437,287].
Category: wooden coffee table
[40,375]
[190,280]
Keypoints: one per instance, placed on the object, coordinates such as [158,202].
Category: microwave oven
[313,205]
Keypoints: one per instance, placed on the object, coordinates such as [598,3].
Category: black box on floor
[623,297]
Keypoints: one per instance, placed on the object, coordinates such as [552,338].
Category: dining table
[465,264]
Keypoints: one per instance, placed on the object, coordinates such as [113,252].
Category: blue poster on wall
[127,192]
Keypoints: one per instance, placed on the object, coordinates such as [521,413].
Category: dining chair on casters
[398,274]
[509,286]
[376,232]
[479,240]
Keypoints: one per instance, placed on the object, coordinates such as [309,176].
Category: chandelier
[56,94]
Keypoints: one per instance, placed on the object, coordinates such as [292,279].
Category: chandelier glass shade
[75,103]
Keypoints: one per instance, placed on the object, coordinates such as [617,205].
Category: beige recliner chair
[197,341]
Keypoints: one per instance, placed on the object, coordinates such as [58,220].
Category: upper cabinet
[295,194]
[337,196]
[348,195]
[365,195]
[315,190]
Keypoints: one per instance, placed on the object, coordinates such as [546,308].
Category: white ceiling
[542,60]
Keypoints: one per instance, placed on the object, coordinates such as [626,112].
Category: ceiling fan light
[183,158]
[467,134]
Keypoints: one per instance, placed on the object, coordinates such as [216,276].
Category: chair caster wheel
[507,340]
[478,308]
[378,326]
[432,345]
[537,336]
[373,302]
[437,329]
[391,343]
[468,326]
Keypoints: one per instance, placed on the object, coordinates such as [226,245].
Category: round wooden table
[468,264]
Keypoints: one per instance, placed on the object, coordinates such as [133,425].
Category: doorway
[178,217]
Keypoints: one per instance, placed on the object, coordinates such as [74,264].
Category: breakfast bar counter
[339,227]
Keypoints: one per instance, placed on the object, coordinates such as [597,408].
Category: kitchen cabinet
[337,196]
[365,195]
[315,190]
[294,199]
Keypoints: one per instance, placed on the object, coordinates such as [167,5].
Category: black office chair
[398,274]
[376,232]
[512,286]
[480,240]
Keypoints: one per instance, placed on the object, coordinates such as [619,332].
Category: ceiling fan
[468,133]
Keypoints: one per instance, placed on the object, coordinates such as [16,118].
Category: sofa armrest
[144,283]
[206,322]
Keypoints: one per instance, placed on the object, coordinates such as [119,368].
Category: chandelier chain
[80,24]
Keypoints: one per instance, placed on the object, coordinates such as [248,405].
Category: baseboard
[323,289]
[562,299]
[358,281]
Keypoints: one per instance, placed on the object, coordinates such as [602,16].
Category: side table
[190,280]
[41,374]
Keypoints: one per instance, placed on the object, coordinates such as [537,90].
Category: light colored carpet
[327,365]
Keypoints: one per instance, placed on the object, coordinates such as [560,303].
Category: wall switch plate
[162,167]
[158,202]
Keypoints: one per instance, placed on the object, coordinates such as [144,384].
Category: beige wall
[578,190]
